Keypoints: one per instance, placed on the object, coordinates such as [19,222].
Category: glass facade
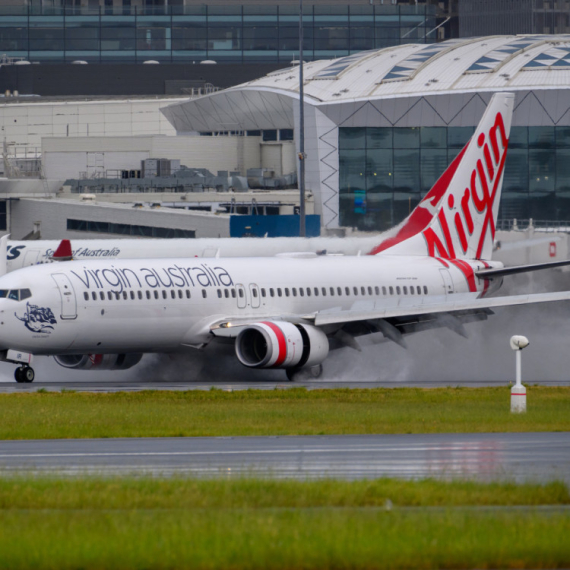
[127,229]
[385,172]
[224,33]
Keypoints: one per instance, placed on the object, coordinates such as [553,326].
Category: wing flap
[460,303]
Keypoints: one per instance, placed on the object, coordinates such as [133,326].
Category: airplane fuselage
[166,305]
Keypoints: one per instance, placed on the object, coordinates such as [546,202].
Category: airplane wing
[395,317]
[435,305]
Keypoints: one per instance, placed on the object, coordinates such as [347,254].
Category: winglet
[63,251]
[4,254]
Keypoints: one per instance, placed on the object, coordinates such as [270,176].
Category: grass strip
[92,523]
[52,492]
[297,411]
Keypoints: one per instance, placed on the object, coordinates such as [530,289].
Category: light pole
[518,391]
[302,230]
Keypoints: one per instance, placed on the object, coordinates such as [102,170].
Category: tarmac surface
[136,385]
[503,456]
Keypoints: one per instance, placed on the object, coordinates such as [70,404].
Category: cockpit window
[15,294]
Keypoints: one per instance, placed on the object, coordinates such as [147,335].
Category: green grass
[279,412]
[148,523]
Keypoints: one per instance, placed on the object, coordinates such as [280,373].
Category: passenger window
[219,293]
[419,290]
[301,292]
[391,289]
[332,291]
[188,293]
[405,290]
[316,291]
[155,294]
[205,293]
[139,295]
[164,293]
[102,295]
[148,294]
[86,296]
[425,290]
[293,292]
[339,291]
[398,290]
[347,290]
[226,294]
[233,293]
[383,290]
[324,291]
[262,292]
[308,291]
[118,296]
[110,295]
[132,295]
[370,290]
[173,294]
[271,292]
[363,290]
[125,295]
[240,293]
[286,291]
[412,290]
[180,294]
[254,292]
[377,290]
[355,290]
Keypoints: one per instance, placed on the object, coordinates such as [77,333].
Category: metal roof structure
[415,85]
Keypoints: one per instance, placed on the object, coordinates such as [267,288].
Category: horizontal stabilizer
[501,272]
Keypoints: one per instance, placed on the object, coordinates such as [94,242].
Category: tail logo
[475,210]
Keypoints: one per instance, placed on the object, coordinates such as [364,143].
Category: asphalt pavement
[503,456]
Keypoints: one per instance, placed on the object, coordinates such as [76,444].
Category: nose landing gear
[24,374]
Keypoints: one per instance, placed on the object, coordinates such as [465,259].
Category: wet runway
[506,456]
[134,386]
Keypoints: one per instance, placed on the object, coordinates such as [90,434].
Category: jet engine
[98,361]
[278,344]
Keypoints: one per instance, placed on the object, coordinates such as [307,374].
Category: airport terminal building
[382,125]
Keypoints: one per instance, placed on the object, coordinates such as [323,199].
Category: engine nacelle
[278,344]
[98,361]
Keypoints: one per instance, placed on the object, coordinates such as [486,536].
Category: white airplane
[25,253]
[432,270]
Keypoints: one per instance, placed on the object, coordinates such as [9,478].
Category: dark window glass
[279,291]
[308,291]
[262,292]
[408,137]
[148,294]
[205,293]
[132,295]
[411,290]
[347,290]
[164,294]
[324,291]
[234,293]
[383,290]
[397,290]
[286,291]
[391,289]
[94,296]
[110,295]
[301,292]
[405,290]
[518,138]
[155,294]
[181,295]
[86,296]
[370,290]
[254,292]
[338,290]
[294,291]
[173,294]
[102,295]
[271,292]
[188,293]
[541,137]
[425,290]
[433,137]
[355,290]
[380,137]
[363,290]
[240,292]
[219,293]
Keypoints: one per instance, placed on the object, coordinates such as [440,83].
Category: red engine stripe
[281,341]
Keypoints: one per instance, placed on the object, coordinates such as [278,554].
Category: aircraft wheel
[28,374]
[316,371]
[24,374]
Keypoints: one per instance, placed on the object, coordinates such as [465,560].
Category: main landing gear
[24,374]
[300,374]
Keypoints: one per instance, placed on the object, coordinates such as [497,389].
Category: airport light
[518,391]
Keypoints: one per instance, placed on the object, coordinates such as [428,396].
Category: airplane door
[67,294]
[31,257]
[447,281]
[241,299]
[254,292]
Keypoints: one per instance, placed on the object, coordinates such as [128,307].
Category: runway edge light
[518,391]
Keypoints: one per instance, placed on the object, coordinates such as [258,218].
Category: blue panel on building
[273,226]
